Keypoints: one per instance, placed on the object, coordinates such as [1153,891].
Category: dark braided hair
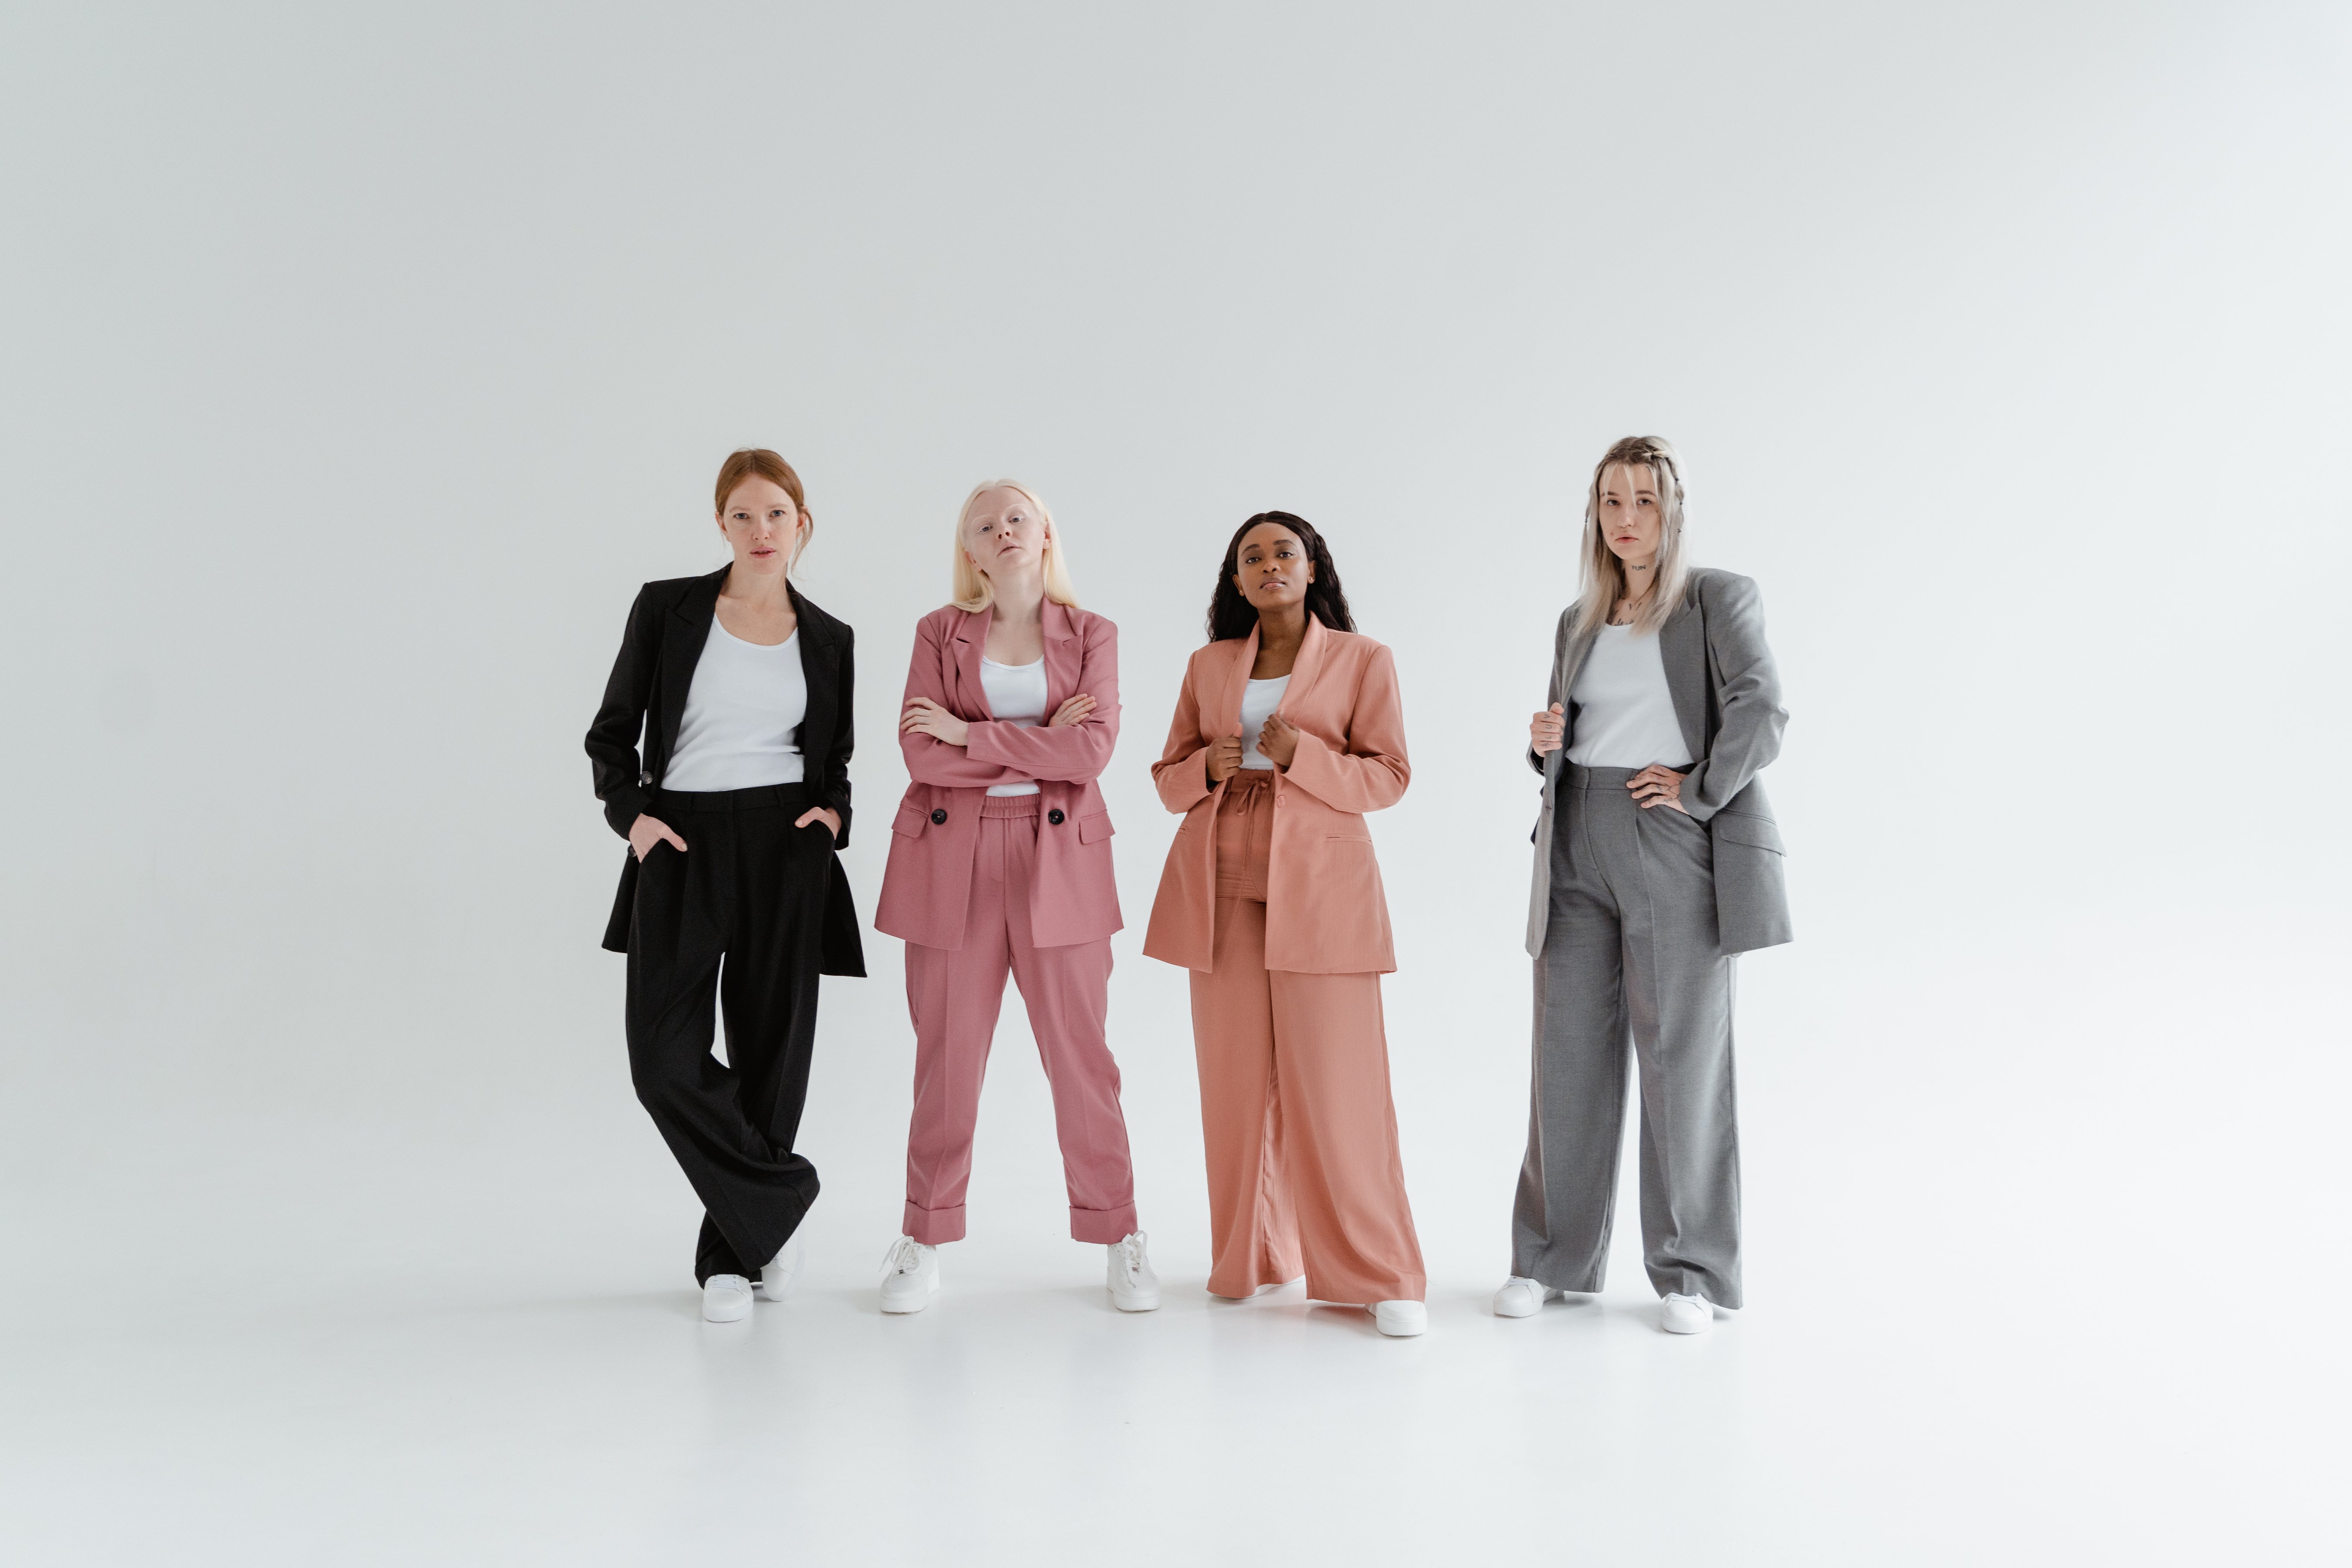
[1231,615]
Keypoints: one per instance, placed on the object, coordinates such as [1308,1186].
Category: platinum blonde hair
[1603,573]
[969,586]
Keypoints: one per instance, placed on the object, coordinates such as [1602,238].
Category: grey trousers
[1630,948]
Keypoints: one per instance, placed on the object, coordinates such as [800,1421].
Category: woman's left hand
[1278,740]
[925,717]
[824,814]
[1658,785]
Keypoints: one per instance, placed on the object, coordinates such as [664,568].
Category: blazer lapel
[1227,715]
[970,696]
[1064,658]
[683,637]
[1682,644]
[1305,668]
[1571,661]
[820,662]
[1578,652]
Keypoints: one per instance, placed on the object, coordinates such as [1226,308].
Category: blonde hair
[969,587]
[1603,573]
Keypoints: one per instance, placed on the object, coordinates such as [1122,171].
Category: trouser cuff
[932,1226]
[1106,1226]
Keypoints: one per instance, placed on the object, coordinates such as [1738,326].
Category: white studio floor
[376,1340]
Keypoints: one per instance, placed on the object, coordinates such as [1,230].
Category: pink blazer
[1325,910]
[927,883]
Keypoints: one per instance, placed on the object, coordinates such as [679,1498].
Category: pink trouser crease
[1300,1132]
[954,997]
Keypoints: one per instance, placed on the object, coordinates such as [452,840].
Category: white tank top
[743,720]
[1016,695]
[1259,700]
[1624,711]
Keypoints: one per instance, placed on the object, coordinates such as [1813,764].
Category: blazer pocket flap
[911,820]
[1096,828]
[1747,827]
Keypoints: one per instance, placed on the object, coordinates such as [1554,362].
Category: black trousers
[739,913]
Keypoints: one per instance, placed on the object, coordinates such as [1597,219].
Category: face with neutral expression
[762,526]
[1003,534]
[1271,568]
[1630,519]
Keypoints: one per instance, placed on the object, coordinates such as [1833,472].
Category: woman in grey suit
[1657,862]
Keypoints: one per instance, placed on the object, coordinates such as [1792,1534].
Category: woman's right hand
[646,831]
[1544,731]
[1224,758]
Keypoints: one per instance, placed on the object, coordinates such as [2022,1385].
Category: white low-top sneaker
[726,1299]
[1522,1297]
[1134,1288]
[784,1270]
[910,1275]
[1400,1320]
[1686,1315]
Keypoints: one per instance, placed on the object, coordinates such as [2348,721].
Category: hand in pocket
[646,831]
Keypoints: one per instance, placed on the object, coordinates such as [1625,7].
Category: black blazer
[646,696]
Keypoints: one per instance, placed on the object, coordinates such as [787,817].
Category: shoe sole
[905,1307]
[1135,1303]
[734,1316]
[1503,1311]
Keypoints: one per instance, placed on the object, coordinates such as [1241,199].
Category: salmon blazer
[933,839]
[1325,910]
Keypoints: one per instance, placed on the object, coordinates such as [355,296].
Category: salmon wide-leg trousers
[954,997]
[1303,1170]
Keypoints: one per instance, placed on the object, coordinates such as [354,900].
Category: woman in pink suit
[1001,860]
[1288,730]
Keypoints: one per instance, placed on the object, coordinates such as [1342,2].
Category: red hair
[758,462]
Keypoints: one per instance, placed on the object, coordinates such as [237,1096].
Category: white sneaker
[910,1275]
[726,1299]
[1522,1297]
[784,1270]
[1134,1288]
[1400,1320]
[1686,1315]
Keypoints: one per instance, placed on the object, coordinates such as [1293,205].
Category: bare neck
[760,592]
[1281,632]
[1641,577]
[1020,602]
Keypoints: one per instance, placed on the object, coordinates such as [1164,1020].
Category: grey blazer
[1727,698]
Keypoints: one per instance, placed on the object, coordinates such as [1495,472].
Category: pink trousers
[1301,1136]
[954,997]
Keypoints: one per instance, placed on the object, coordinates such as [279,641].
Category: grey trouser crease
[1631,949]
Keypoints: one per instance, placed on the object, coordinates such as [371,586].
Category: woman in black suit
[741,689]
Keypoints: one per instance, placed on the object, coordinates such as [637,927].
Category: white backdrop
[359,364]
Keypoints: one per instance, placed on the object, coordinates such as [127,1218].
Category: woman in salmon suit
[1000,861]
[1288,729]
